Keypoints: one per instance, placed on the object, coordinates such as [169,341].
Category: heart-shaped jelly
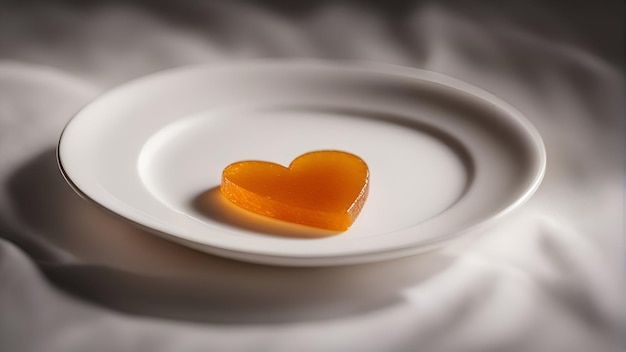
[324,189]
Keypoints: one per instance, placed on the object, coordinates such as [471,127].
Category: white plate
[445,157]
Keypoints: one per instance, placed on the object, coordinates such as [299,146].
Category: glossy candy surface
[323,189]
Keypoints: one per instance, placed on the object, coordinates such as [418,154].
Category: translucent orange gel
[324,189]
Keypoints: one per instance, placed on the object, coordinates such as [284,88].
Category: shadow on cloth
[128,269]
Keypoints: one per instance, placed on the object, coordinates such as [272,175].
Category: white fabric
[549,278]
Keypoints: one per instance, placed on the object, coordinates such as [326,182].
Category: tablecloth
[547,278]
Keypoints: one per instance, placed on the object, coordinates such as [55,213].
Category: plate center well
[415,172]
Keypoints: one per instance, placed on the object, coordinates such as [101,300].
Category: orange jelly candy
[324,189]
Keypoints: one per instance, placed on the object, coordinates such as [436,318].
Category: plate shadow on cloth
[125,268]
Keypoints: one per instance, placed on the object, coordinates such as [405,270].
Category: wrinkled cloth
[547,278]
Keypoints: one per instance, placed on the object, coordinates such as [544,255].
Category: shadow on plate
[125,268]
[215,206]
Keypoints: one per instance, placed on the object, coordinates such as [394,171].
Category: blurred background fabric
[548,278]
